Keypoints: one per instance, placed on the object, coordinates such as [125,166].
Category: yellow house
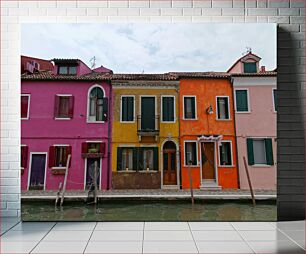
[145,134]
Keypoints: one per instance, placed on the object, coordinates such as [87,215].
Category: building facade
[65,111]
[255,113]
[145,136]
[207,131]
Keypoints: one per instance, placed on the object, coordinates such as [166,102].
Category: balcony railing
[148,125]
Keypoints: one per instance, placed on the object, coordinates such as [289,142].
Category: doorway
[90,172]
[37,173]
[148,113]
[208,161]
[169,164]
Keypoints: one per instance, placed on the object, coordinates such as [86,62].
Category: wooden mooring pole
[95,182]
[190,182]
[65,180]
[249,180]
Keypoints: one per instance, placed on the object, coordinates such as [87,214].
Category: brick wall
[289,14]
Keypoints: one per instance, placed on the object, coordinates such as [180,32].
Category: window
[189,107]
[58,155]
[63,106]
[98,105]
[127,159]
[242,104]
[24,156]
[250,67]
[25,103]
[275,99]
[137,158]
[93,149]
[127,108]
[260,151]
[168,109]
[71,70]
[222,108]
[191,153]
[225,154]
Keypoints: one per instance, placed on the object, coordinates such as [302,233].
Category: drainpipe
[179,133]
[109,147]
[234,118]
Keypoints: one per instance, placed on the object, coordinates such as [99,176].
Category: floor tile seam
[195,243]
[244,240]
[93,230]
[290,238]
[9,229]
[143,232]
[42,238]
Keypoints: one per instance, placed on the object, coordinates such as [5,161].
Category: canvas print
[148,122]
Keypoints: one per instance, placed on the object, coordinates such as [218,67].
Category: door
[208,160]
[90,172]
[38,168]
[148,113]
[169,164]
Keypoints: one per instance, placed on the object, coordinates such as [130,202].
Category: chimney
[263,69]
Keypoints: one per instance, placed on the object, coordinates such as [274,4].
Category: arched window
[97,105]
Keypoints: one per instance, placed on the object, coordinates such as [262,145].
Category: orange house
[207,131]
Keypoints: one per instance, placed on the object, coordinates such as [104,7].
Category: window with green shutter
[275,99]
[127,108]
[168,109]
[250,67]
[241,100]
[260,151]
[191,153]
[225,153]
[149,158]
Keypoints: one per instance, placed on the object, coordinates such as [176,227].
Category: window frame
[134,107]
[264,144]
[88,104]
[228,108]
[195,108]
[197,155]
[59,145]
[129,170]
[161,108]
[273,100]
[63,118]
[28,110]
[248,98]
[219,154]
[68,69]
[256,68]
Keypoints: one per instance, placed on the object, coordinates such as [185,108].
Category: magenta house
[255,114]
[65,111]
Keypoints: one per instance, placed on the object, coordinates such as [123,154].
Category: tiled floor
[152,237]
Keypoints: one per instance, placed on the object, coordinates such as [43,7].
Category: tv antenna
[93,62]
[248,50]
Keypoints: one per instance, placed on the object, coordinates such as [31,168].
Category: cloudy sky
[152,48]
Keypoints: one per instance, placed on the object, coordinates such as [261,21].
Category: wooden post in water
[190,182]
[249,180]
[95,182]
[58,193]
[65,180]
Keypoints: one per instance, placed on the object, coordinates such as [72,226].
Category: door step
[210,185]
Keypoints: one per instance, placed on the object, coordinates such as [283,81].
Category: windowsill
[243,112]
[95,121]
[58,167]
[24,118]
[192,166]
[62,118]
[261,166]
[127,121]
[190,119]
[168,122]
[126,171]
[226,120]
[226,166]
[148,171]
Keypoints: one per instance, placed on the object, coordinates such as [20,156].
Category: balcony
[148,126]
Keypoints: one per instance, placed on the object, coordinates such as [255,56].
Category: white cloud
[152,47]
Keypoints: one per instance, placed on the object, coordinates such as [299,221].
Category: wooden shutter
[135,158]
[165,109]
[71,106]
[105,109]
[56,106]
[24,106]
[51,156]
[130,108]
[102,148]
[119,158]
[171,108]
[68,151]
[250,151]
[241,100]
[84,147]
[155,158]
[24,156]
[269,151]
[140,158]
[124,108]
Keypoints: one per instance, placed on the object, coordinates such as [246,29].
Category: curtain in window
[96,104]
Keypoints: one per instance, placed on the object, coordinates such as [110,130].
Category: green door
[148,113]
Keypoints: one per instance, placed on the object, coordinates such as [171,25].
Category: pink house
[65,111]
[255,114]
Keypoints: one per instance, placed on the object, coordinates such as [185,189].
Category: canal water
[150,211]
